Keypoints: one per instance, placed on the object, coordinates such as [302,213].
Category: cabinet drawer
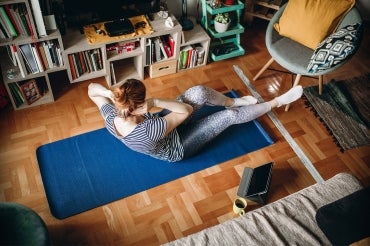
[162,68]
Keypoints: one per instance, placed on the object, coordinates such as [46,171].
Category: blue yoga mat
[92,169]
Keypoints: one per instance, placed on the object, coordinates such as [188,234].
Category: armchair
[294,56]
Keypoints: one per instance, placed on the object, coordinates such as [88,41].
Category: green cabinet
[226,44]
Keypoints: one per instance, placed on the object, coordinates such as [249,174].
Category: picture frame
[30,91]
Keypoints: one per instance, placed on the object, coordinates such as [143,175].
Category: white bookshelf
[125,65]
[21,73]
[115,67]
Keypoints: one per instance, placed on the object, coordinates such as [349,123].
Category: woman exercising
[127,117]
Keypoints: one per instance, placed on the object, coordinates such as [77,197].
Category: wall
[175,6]
[364,8]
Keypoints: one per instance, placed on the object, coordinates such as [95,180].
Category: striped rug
[344,108]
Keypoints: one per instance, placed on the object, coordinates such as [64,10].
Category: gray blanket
[288,221]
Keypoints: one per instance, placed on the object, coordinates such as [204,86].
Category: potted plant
[222,22]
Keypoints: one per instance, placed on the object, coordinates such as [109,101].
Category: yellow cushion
[311,21]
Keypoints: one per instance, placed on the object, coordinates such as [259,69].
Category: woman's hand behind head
[143,108]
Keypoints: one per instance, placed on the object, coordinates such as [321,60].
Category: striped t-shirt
[148,137]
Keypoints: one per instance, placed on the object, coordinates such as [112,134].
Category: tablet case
[119,27]
[255,183]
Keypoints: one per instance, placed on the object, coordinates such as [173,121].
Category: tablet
[255,181]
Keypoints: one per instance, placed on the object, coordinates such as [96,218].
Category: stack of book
[85,62]
[159,48]
[36,57]
[42,55]
[14,21]
[191,56]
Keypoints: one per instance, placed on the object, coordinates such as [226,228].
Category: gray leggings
[198,133]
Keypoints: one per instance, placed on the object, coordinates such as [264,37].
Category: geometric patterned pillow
[336,48]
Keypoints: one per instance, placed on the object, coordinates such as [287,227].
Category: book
[157,51]
[59,54]
[194,58]
[4,33]
[28,23]
[163,51]
[72,66]
[5,28]
[171,43]
[100,59]
[47,54]
[93,60]
[11,54]
[189,58]
[152,52]
[166,46]
[75,64]
[12,19]
[37,58]
[87,61]
[38,48]
[8,23]
[18,20]
[82,62]
[18,59]
[16,94]
[78,65]
[53,53]
[43,55]
[148,55]
[88,54]
[29,57]
[184,53]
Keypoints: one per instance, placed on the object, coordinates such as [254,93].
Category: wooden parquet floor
[187,205]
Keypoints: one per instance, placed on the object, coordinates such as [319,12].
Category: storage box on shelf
[194,48]
[162,68]
[27,61]
[226,44]
[263,9]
